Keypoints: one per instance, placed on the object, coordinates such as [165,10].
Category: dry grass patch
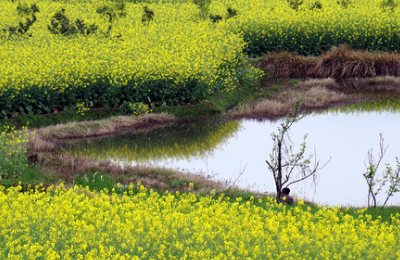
[104,127]
[339,62]
[283,104]
[344,63]
[328,83]
[287,65]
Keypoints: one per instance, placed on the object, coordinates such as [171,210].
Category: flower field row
[170,59]
[57,55]
[314,26]
[67,224]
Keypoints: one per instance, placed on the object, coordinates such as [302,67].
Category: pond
[226,150]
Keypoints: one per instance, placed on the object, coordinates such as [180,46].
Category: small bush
[388,5]
[215,18]
[231,12]
[138,109]
[148,15]
[295,4]
[22,28]
[60,24]
[204,7]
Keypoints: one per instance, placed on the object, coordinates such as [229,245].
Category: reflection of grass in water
[183,140]
[389,105]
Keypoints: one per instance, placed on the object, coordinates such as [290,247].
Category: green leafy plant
[81,108]
[61,24]
[138,109]
[344,3]
[377,181]
[215,18]
[295,4]
[389,5]
[317,5]
[204,7]
[13,154]
[231,12]
[102,182]
[23,9]
[148,15]
[22,28]
[111,13]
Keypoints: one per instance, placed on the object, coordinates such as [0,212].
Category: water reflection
[228,148]
[182,141]
[389,105]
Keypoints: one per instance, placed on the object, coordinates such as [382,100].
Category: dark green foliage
[295,4]
[112,12]
[24,9]
[389,5]
[97,181]
[61,24]
[215,18]
[204,7]
[316,6]
[148,15]
[231,12]
[22,28]
[344,3]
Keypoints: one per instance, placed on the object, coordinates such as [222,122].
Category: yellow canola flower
[79,224]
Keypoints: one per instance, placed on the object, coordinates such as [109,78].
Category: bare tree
[377,181]
[283,162]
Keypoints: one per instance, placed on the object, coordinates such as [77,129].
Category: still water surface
[224,149]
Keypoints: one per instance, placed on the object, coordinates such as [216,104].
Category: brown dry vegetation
[104,127]
[339,62]
[314,95]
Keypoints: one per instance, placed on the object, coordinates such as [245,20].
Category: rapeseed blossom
[79,224]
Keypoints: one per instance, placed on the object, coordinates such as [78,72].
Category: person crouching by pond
[285,197]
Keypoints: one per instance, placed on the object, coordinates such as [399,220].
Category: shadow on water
[225,148]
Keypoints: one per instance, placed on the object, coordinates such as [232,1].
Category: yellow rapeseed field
[79,224]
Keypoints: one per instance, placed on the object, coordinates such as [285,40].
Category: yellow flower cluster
[13,161]
[79,224]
